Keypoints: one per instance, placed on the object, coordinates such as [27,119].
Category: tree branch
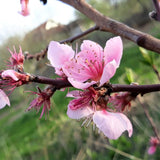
[37,56]
[107,24]
[58,83]
[141,89]
[156,71]
[156,5]
[42,54]
[62,83]
[155,14]
[70,40]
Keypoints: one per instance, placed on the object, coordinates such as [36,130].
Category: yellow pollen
[86,61]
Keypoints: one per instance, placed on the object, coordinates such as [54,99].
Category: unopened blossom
[4,100]
[16,60]
[87,106]
[24,7]
[93,64]
[12,79]
[121,100]
[154,142]
[42,101]
[58,55]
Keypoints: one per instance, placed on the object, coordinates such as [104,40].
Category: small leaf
[129,75]
[148,59]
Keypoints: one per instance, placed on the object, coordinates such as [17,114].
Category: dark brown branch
[141,89]
[107,24]
[58,83]
[62,83]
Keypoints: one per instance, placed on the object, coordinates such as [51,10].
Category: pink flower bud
[90,105]
[24,6]
[16,60]
[154,142]
[121,101]
[43,99]
[91,65]
[12,79]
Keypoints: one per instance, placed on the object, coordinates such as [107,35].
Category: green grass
[24,137]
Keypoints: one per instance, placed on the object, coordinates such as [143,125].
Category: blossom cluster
[93,66]
[154,142]
[24,8]
[89,71]
[14,76]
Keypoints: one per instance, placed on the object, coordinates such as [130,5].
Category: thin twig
[156,5]
[70,40]
[42,54]
[36,56]
[155,14]
[156,72]
[110,25]
[150,119]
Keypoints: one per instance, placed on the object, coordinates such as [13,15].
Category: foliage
[120,10]
[58,137]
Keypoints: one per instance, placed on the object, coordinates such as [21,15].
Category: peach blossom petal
[108,72]
[75,94]
[58,53]
[79,113]
[4,100]
[152,149]
[80,85]
[113,50]
[10,74]
[112,124]
[90,46]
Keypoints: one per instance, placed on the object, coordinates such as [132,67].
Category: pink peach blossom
[16,60]
[112,124]
[43,99]
[58,55]
[121,100]
[24,7]
[154,142]
[85,106]
[15,76]
[80,106]
[152,149]
[12,79]
[93,64]
[4,100]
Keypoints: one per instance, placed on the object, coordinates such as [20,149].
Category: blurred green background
[24,137]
